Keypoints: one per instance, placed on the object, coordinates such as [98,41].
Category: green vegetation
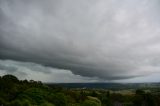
[14,92]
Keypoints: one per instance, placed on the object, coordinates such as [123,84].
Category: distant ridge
[107,85]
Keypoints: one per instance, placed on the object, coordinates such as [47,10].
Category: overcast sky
[80,40]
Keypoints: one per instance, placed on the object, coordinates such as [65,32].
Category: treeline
[14,92]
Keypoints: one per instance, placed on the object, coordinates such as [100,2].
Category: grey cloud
[109,39]
[8,68]
[29,70]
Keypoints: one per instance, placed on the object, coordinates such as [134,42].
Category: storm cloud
[106,39]
[29,70]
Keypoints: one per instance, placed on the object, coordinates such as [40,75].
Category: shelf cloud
[104,39]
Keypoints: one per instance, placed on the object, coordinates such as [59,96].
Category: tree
[10,78]
[140,92]
[90,103]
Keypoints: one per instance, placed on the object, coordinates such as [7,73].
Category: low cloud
[108,40]
[29,70]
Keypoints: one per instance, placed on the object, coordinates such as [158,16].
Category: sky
[80,40]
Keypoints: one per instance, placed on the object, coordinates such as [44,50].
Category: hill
[15,92]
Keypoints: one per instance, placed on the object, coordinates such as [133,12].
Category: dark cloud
[109,40]
[30,70]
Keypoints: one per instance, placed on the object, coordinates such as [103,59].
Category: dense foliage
[14,92]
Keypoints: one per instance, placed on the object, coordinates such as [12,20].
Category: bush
[90,103]
[59,99]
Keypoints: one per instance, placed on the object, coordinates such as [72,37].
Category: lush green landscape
[14,92]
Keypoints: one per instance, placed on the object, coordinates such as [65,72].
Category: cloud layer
[29,70]
[109,40]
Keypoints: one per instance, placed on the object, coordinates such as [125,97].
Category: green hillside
[14,92]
